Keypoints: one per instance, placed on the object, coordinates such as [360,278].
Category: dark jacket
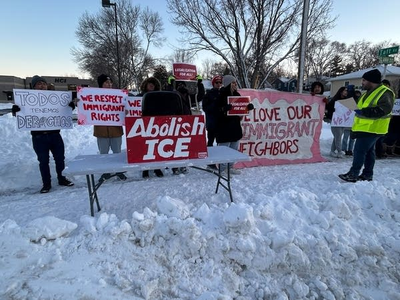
[210,102]
[228,128]
[107,131]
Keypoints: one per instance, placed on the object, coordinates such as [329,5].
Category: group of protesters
[374,132]
[373,125]
[221,128]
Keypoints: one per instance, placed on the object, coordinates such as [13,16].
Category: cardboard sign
[98,106]
[343,115]
[184,72]
[283,128]
[43,110]
[239,105]
[164,138]
[133,106]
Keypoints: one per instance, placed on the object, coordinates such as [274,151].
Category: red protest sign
[239,105]
[184,72]
[164,138]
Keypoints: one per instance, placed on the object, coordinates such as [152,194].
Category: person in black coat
[229,130]
[210,108]
[149,85]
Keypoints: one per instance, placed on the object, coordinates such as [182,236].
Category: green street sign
[386,60]
[387,51]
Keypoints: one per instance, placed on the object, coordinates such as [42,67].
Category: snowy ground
[293,232]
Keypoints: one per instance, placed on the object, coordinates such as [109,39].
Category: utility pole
[303,43]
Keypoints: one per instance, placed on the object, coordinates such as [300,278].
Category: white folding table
[89,165]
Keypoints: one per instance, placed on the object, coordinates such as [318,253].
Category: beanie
[373,76]
[36,79]
[216,78]
[228,79]
[103,78]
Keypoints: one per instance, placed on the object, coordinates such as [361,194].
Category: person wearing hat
[108,137]
[371,121]
[46,141]
[228,129]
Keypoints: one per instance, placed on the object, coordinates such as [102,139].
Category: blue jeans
[347,141]
[43,144]
[364,155]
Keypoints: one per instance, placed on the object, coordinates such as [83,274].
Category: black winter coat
[228,128]
[210,102]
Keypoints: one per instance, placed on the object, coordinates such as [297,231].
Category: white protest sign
[43,110]
[133,106]
[396,108]
[344,113]
[98,106]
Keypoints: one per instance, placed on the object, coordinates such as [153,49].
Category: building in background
[353,80]
[8,83]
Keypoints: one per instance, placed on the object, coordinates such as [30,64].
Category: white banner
[344,113]
[43,110]
[98,106]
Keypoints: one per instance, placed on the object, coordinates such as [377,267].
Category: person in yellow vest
[370,122]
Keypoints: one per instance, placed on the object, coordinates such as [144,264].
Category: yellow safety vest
[372,125]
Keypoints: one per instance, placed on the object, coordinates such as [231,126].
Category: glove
[15,108]
[227,107]
[358,112]
[72,105]
[250,106]
[325,100]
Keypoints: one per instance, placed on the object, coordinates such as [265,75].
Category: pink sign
[165,138]
[239,105]
[283,128]
[184,72]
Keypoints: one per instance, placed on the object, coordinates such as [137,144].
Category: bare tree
[183,55]
[251,36]
[137,31]
[320,54]
[362,54]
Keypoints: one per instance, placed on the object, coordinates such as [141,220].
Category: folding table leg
[92,193]
[227,179]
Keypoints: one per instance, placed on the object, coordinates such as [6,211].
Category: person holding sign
[228,129]
[149,85]
[337,131]
[370,122]
[46,141]
[108,137]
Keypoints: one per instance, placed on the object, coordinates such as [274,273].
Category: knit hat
[36,79]
[216,78]
[103,78]
[228,79]
[373,76]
